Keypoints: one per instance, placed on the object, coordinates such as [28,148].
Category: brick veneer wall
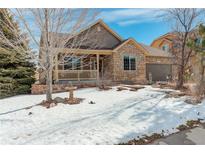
[135,76]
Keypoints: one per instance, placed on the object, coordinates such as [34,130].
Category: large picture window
[129,63]
[72,63]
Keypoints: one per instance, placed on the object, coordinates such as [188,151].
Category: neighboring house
[164,42]
[111,59]
[168,43]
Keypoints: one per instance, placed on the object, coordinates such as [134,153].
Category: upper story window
[72,63]
[165,47]
[198,41]
[129,63]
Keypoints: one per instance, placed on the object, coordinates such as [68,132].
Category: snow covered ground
[116,117]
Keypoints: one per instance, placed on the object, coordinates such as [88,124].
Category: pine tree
[16,69]
[198,45]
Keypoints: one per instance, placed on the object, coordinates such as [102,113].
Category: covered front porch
[82,65]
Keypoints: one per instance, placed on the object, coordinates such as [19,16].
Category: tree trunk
[49,60]
[49,84]
[180,82]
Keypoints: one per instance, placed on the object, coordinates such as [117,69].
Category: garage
[159,71]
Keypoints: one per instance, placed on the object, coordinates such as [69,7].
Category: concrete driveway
[195,136]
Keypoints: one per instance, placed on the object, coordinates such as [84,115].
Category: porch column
[97,56]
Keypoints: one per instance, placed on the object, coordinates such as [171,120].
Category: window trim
[130,64]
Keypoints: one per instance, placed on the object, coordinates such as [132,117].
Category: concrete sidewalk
[188,137]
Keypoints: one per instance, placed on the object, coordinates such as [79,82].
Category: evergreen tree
[16,69]
[198,45]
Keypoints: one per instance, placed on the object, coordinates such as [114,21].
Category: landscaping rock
[192,101]
[59,100]
[48,104]
[175,94]
[104,87]
[135,86]
[121,88]
[52,105]
[91,102]
[133,89]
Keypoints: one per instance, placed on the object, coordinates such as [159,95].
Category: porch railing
[77,75]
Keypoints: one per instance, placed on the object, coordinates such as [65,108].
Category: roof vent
[98,29]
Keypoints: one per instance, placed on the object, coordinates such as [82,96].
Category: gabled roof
[135,43]
[101,22]
[165,36]
[155,52]
[148,50]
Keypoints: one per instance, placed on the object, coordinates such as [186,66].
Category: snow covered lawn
[116,117]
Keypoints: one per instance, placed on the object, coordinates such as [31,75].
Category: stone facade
[135,76]
[158,60]
[108,68]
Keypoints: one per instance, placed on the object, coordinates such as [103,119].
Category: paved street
[188,137]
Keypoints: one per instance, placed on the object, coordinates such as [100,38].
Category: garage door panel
[159,71]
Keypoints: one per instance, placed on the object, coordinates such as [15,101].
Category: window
[129,63]
[165,47]
[132,64]
[126,63]
[67,63]
[76,63]
[198,41]
[72,63]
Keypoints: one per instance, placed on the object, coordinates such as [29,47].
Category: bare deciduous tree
[57,29]
[184,22]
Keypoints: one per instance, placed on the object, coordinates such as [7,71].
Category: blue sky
[142,24]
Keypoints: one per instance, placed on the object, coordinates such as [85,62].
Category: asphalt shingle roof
[155,52]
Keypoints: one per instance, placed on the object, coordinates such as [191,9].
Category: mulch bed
[189,124]
[57,100]
[144,140]
[74,101]
[130,87]
[104,87]
[150,139]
